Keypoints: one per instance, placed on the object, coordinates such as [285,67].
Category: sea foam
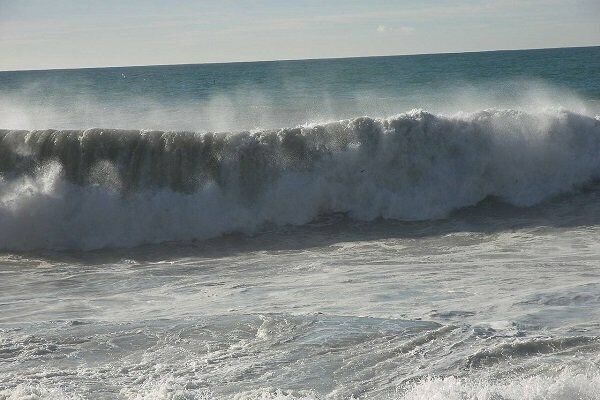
[102,188]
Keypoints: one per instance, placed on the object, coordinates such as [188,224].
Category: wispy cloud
[395,29]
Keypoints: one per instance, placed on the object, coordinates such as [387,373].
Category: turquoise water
[285,93]
[419,227]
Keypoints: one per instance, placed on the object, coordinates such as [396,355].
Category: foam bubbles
[567,385]
[104,188]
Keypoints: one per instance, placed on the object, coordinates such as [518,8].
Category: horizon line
[296,59]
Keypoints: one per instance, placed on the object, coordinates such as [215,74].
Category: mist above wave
[74,104]
[97,188]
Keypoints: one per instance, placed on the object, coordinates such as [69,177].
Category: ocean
[406,227]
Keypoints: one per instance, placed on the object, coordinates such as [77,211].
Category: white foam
[568,385]
[413,166]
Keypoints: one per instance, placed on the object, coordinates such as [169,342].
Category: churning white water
[425,255]
[97,188]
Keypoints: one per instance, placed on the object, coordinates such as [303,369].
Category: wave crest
[97,187]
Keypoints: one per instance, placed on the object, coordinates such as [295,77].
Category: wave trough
[102,188]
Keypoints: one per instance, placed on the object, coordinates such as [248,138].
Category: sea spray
[96,188]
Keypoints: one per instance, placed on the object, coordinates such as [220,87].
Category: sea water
[412,227]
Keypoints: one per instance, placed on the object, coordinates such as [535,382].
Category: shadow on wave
[92,189]
[489,217]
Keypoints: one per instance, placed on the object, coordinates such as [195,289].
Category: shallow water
[502,304]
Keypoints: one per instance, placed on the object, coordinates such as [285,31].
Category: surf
[95,188]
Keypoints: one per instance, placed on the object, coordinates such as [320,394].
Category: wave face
[101,188]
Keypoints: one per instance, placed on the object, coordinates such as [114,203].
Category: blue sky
[68,33]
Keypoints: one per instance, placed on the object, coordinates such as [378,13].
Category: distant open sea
[407,227]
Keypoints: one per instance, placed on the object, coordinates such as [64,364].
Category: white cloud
[399,29]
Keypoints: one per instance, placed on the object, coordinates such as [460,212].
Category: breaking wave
[102,188]
[565,385]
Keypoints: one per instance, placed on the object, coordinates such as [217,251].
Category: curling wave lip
[102,188]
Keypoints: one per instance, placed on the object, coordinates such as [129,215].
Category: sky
[36,34]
